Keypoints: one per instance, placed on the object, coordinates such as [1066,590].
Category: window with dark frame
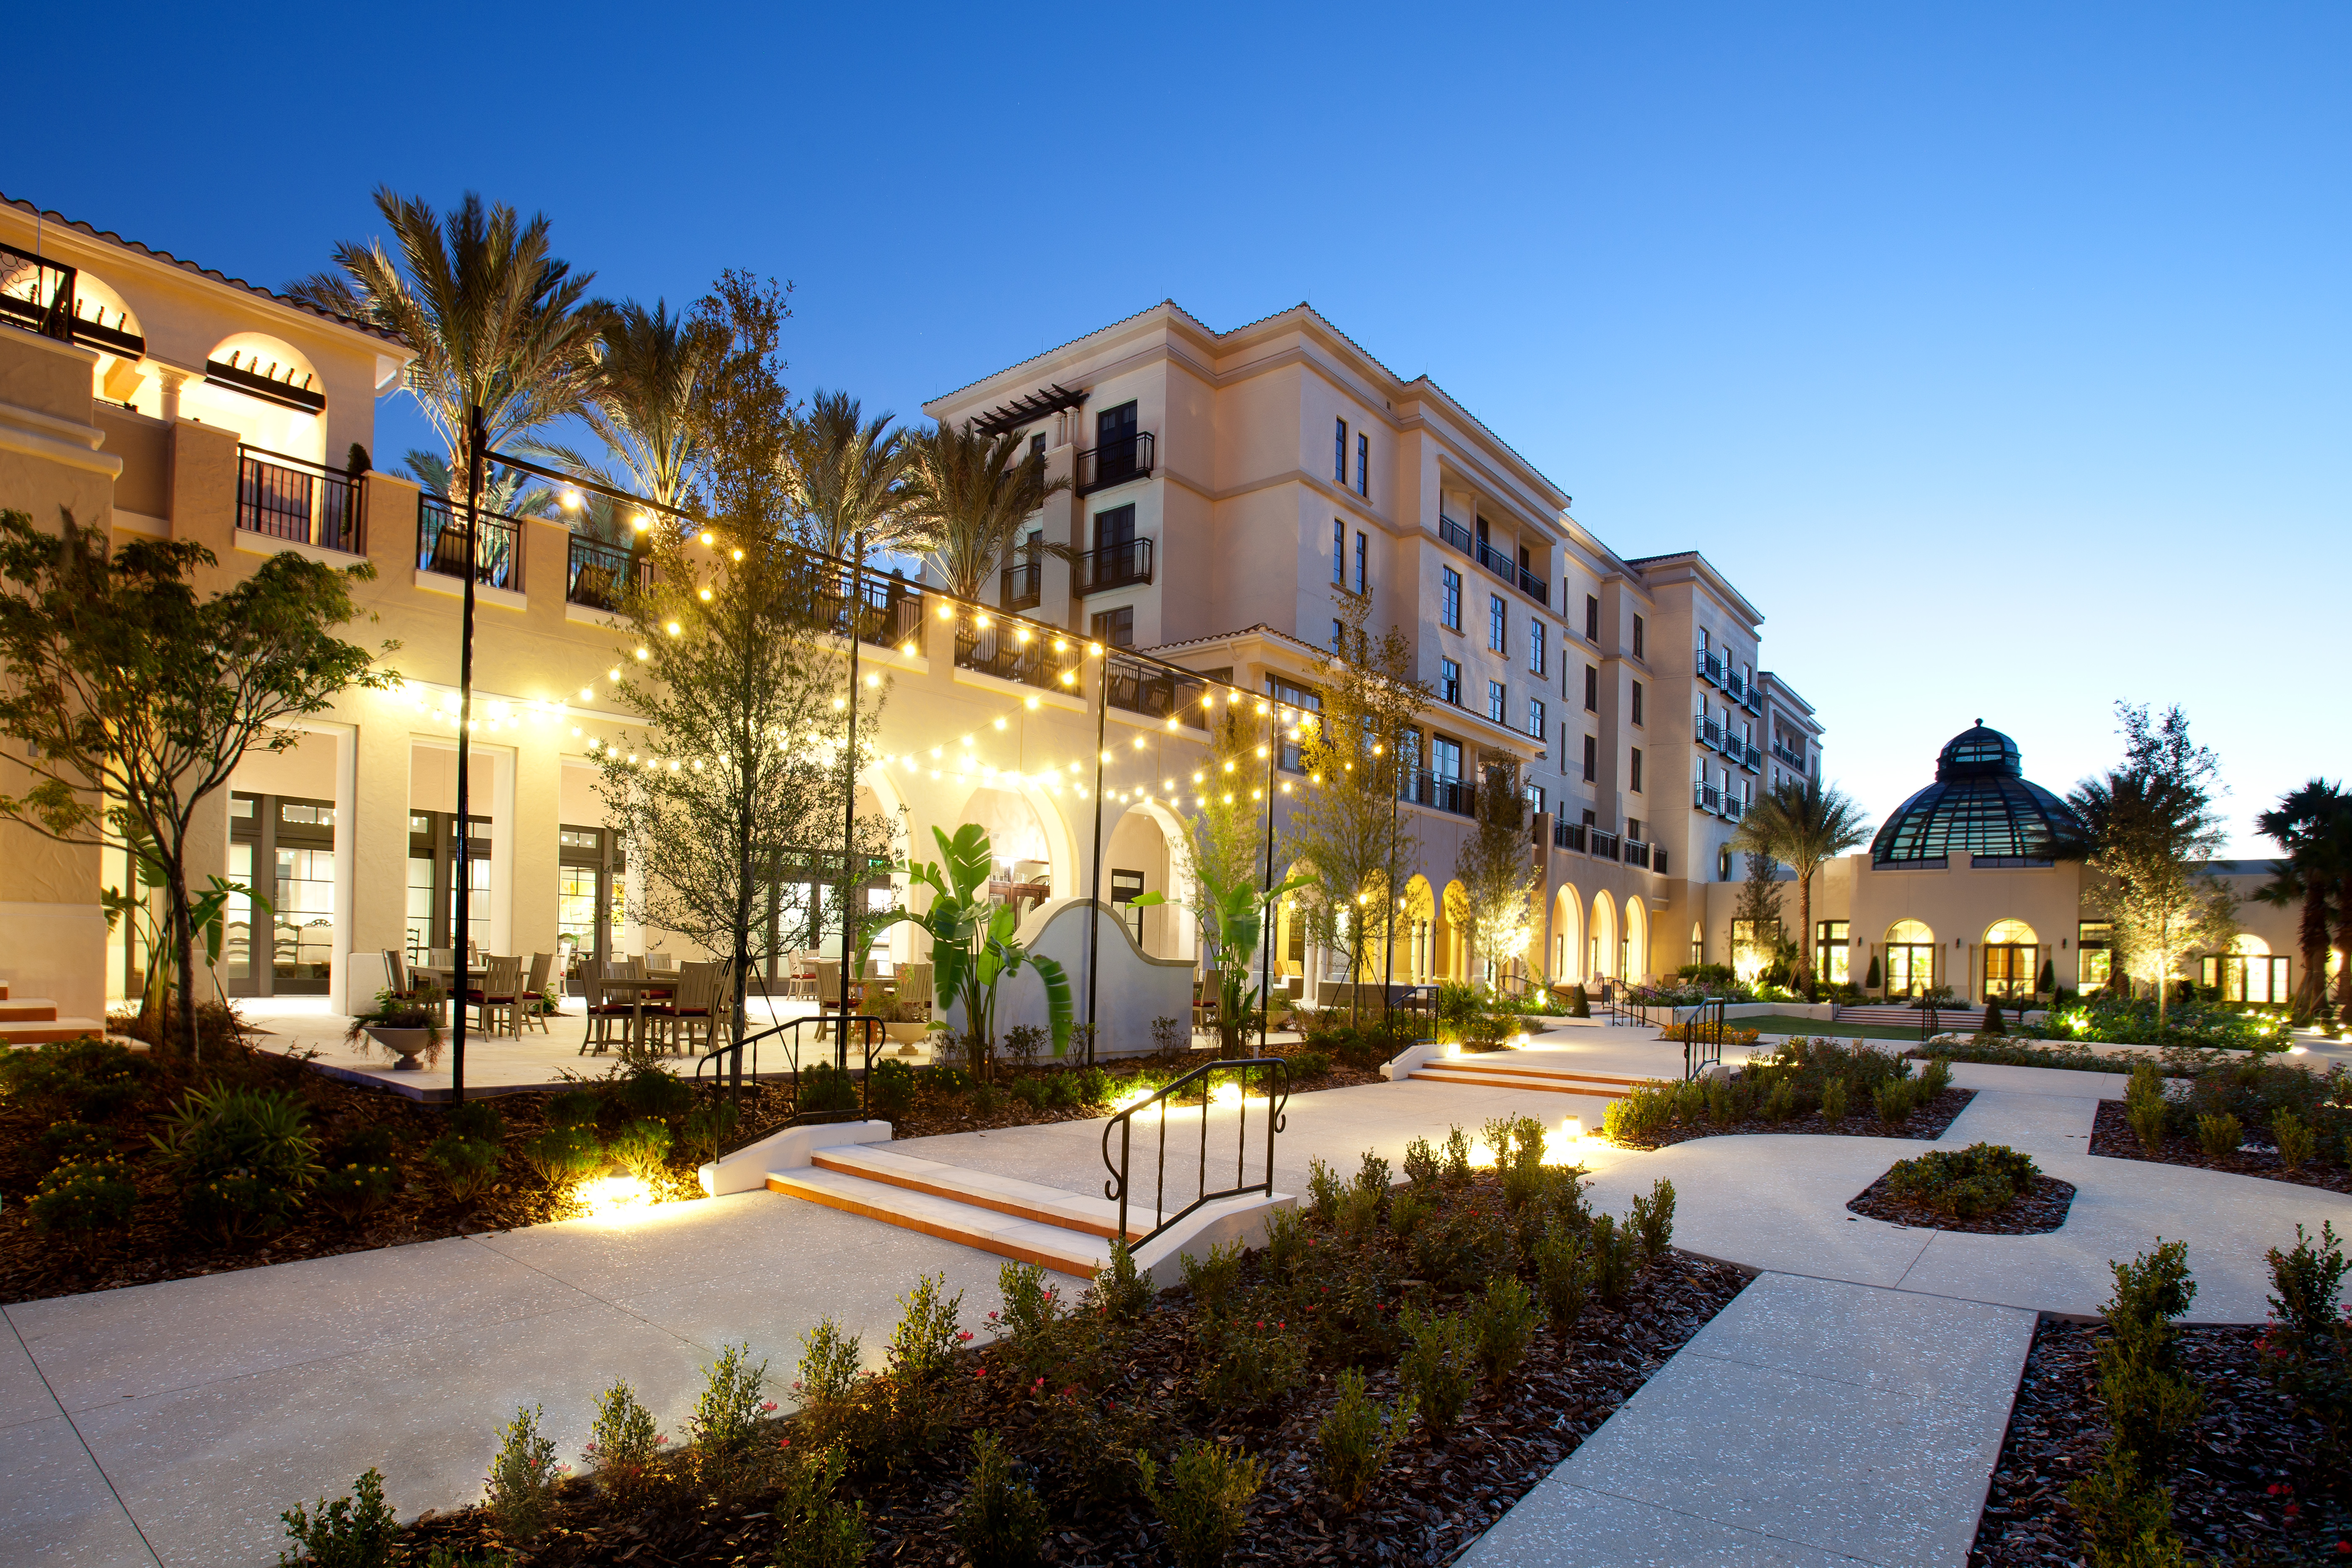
[1592,618]
[1634,772]
[1338,553]
[1637,703]
[1116,628]
[1538,653]
[1363,557]
[1449,597]
[1496,697]
[1536,717]
[1338,632]
[1364,466]
[1499,624]
[1126,887]
[1591,689]
[1449,682]
[1592,758]
[1339,454]
[1638,630]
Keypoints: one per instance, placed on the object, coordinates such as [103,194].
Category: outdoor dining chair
[692,1013]
[498,998]
[602,1011]
[533,1011]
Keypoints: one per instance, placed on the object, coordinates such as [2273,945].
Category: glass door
[1910,968]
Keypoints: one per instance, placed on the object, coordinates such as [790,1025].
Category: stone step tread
[27,1010]
[1063,1250]
[1518,1080]
[48,1030]
[979,1189]
[1497,1062]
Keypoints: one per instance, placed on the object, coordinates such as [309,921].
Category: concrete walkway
[170,1422]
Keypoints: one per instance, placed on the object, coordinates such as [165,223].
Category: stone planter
[407,1045]
[905,1035]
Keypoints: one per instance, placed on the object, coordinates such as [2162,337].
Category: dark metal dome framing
[1980,802]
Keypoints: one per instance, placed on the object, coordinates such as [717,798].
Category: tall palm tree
[650,368]
[508,492]
[972,495]
[2313,825]
[1801,825]
[496,322]
[848,476]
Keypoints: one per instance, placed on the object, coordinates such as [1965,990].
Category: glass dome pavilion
[1982,802]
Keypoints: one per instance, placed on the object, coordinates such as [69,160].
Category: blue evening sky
[1998,353]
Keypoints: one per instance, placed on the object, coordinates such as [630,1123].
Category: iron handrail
[750,1044]
[1120,1181]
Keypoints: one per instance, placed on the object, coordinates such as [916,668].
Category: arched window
[1910,958]
[2012,961]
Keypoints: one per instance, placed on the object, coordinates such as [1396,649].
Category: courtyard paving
[168,1424]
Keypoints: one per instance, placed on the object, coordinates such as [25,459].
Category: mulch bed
[2035,1212]
[1435,1496]
[934,1114]
[2225,1505]
[2112,1135]
[1928,1124]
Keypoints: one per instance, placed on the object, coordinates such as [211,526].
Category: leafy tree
[496,322]
[1758,910]
[1348,832]
[2149,824]
[1224,853]
[1497,868]
[969,497]
[1803,823]
[741,774]
[2313,825]
[136,696]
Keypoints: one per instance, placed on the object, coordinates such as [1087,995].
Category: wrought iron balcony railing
[1114,566]
[599,575]
[1455,535]
[289,497]
[1604,845]
[1440,794]
[1023,586]
[1636,853]
[441,544]
[1568,835]
[1116,462]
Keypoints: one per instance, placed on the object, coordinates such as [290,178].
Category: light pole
[855,601]
[476,440]
[1094,895]
[1267,922]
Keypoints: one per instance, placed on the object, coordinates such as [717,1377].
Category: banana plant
[1233,917]
[973,946]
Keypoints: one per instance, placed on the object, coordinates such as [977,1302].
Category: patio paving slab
[58,1510]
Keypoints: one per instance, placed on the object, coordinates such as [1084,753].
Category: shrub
[1645,1109]
[1286,1239]
[642,1149]
[1246,1363]
[1359,1213]
[1421,1165]
[1963,1182]
[478,1120]
[1579,1005]
[1310,1064]
[818,1530]
[563,1154]
[822,1088]
[1323,1191]
[828,1366]
[1211,1277]
[1356,1439]
[705,1127]
[84,1197]
[520,1490]
[653,1092]
[243,1158]
[1896,1098]
[351,1193]
[947,1078]
[920,1354]
[1122,1290]
[2126,1522]
[2296,1141]
[1834,1099]
[2146,1108]
[1781,1103]
[573,1108]
[1992,1019]
[1000,1522]
[1935,1078]
[1027,1318]
[2150,1404]
[1457,1157]
[466,1166]
[2306,1279]
[354,1531]
[1406,1212]
[1653,1220]
[1440,1365]
[1503,1318]
[1029,1091]
[1560,1274]
[1202,1506]
[87,1079]
[1612,1250]
[728,1453]
[1169,1035]
[2220,1136]
[622,1443]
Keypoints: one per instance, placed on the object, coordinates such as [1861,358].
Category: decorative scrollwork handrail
[1204,1077]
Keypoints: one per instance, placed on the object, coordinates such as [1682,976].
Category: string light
[709,538]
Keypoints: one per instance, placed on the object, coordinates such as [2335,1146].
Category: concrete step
[979,1189]
[3,991]
[28,1010]
[1593,1088]
[1947,1018]
[50,1030]
[1059,1248]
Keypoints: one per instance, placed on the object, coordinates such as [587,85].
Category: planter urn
[405,1044]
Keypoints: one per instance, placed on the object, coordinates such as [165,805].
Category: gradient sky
[1999,354]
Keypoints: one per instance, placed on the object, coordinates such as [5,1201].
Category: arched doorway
[1634,964]
[1419,914]
[1452,935]
[1910,958]
[2012,960]
[1698,945]
[1601,954]
[1568,936]
[2248,973]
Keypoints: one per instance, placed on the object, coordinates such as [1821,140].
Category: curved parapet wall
[1134,987]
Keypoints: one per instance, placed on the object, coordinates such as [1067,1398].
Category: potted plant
[409,1026]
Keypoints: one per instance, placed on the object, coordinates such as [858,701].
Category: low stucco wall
[1134,987]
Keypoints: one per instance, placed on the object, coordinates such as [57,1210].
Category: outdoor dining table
[443,975]
[636,988]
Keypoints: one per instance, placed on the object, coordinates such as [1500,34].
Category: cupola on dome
[1981,803]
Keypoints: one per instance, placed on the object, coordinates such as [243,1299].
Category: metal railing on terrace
[44,297]
[1049,661]
[1021,586]
[297,499]
[1750,757]
[600,575]
[1446,794]
[1603,845]
[1707,797]
[1568,835]
[1116,462]
[1709,664]
[1115,565]
[1710,734]
[1455,535]
[889,610]
[1157,693]
[1794,759]
[1752,700]
[1635,853]
[441,544]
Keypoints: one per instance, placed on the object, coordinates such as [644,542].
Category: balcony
[441,545]
[599,575]
[1023,586]
[1605,845]
[1115,462]
[1789,757]
[1733,809]
[41,296]
[1455,535]
[889,609]
[1440,794]
[1750,756]
[1734,685]
[287,497]
[1030,656]
[1568,835]
[1752,700]
[1709,664]
[1710,734]
[1535,587]
[1154,692]
[1707,797]
[1114,566]
[1636,853]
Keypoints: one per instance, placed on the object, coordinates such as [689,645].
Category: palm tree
[969,498]
[848,476]
[496,322]
[650,368]
[2313,825]
[508,492]
[1801,825]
